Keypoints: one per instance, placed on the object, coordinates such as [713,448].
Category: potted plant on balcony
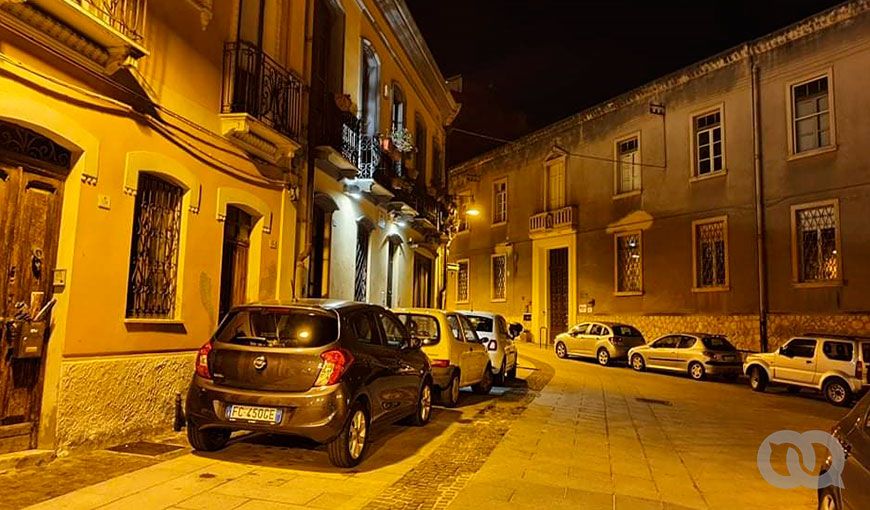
[345,103]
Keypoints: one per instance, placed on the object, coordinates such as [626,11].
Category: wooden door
[29,221]
[558,287]
[234,266]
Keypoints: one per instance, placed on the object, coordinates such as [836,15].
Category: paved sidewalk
[587,442]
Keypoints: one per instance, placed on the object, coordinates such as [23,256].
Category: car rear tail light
[493,345]
[859,370]
[202,361]
[615,340]
[440,363]
[335,363]
[711,355]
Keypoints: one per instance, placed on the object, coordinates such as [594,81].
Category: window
[462,293]
[800,348]
[421,162]
[816,242]
[468,329]
[718,343]
[668,342]
[463,200]
[395,333]
[811,115]
[623,330]
[580,329]
[363,332]
[453,323]
[629,266]
[628,165]
[481,324]
[499,201]
[438,178]
[498,277]
[838,351]
[595,330]
[424,327]
[370,81]
[556,184]
[361,272]
[153,279]
[686,342]
[278,328]
[710,246]
[708,143]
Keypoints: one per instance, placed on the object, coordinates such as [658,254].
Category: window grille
[499,278]
[818,256]
[628,263]
[462,283]
[710,254]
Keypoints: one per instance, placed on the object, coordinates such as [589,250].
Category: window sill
[625,294]
[714,175]
[462,302]
[159,322]
[499,224]
[498,300]
[627,194]
[811,153]
[726,288]
[817,285]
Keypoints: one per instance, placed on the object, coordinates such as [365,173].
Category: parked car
[832,364]
[853,434]
[324,370]
[697,354]
[457,356]
[494,334]
[604,341]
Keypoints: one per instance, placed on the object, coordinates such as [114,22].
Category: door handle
[809,361]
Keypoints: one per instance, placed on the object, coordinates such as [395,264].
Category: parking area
[569,433]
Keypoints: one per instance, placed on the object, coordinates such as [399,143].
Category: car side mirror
[783,351]
[515,329]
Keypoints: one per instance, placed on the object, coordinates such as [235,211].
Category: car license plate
[254,414]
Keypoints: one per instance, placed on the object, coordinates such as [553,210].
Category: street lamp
[472,210]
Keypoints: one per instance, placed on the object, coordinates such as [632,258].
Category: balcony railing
[257,85]
[125,16]
[551,220]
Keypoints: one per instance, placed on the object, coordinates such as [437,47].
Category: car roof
[829,336]
[491,315]
[324,304]
[694,334]
[422,311]
[606,323]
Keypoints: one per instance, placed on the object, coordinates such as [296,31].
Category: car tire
[450,394]
[637,363]
[206,440]
[757,379]
[603,357]
[485,385]
[501,376]
[697,371]
[348,449]
[829,499]
[837,392]
[561,350]
[423,411]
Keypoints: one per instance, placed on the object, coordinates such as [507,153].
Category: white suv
[833,364]
[492,329]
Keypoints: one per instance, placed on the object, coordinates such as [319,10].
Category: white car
[492,329]
[457,356]
[835,365]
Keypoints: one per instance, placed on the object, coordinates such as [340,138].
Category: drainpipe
[761,256]
[305,200]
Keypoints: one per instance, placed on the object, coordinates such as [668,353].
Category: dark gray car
[324,370]
[853,434]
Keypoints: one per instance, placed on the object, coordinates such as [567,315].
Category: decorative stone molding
[205,8]
[144,161]
[257,138]
[252,204]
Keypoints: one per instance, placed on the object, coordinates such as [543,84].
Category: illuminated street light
[472,211]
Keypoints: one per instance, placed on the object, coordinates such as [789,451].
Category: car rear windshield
[838,351]
[718,343]
[279,327]
[622,330]
[423,327]
[480,323]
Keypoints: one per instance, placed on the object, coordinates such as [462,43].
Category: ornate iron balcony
[125,16]
[551,220]
[257,85]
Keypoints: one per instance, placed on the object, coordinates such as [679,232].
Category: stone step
[25,458]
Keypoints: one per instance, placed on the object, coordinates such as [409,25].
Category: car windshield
[718,343]
[424,327]
[623,330]
[481,324]
[279,327]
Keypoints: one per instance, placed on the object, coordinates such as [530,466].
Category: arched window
[371,83]
[398,113]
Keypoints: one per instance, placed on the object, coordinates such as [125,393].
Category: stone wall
[742,330]
[112,400]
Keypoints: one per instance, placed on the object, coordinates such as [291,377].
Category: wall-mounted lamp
[472,210]
[353,191]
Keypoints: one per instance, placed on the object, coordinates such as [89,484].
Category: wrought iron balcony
[256,85]
[555,220]
[125,16]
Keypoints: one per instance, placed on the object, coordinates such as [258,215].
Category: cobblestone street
[568,434]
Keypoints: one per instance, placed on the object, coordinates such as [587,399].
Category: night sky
[526,64]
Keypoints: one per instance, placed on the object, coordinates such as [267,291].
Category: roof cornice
[804,28]
[402,24]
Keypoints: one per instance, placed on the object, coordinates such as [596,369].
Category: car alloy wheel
[637,362]
[603,357]
[561,351]
[696,370]
[357,434]
[425,403]
[836,392]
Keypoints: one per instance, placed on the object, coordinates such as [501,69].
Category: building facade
[725,197]
[157,168]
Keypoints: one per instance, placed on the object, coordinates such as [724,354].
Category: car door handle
[809,361]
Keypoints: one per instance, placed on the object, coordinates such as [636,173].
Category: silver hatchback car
[698,354]
[604,341]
